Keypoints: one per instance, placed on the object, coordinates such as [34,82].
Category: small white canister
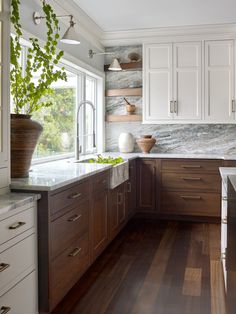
[126,143]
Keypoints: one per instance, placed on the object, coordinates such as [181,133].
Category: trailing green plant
[28,95]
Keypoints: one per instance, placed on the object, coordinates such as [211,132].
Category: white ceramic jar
[126,143]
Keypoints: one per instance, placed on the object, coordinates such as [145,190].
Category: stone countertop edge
[24,184]
[10,201]
[45,178]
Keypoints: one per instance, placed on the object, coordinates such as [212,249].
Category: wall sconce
[70,37]
[114,66]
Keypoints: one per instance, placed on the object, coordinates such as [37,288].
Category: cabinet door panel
[187,81]
[158,82]
[146,185]
[100,226]
[219,80]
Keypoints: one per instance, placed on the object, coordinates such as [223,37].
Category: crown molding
[84,24]
[140,36]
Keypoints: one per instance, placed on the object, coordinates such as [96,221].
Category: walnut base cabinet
[130,190]
[191,188]
[147,185]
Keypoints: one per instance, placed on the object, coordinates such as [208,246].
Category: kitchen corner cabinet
[4,95]
[147,198]
[172,82]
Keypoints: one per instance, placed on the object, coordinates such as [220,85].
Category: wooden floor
[154,267]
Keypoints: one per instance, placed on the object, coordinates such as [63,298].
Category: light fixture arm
[92,53]
[37,17]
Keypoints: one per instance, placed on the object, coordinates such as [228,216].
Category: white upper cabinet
[187,91]
[4,93]
[219,80]
[172,82]
[158,82]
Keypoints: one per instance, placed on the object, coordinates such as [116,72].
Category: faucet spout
[82,103]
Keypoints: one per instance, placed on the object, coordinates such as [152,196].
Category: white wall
[79,52]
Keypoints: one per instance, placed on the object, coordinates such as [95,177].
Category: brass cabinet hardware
[17,225]
[5,309]
[3,266]
[75,195]
[190,197]
[74,218]
[129,187]
[75,252]
[224,220]
[175,106]
[191,167]
[191,179]
[233,105]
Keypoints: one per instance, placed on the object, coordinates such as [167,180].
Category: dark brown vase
[24,136]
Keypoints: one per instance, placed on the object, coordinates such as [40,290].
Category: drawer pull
[3,266]
[75,195]
[5,309]
[75,252]
[129,190]
[74,218]
[17,225]
[119,198]
[190,197]
[223,256]
[191,167]
[224,220]
[104,181]
[224,198]
[191,179]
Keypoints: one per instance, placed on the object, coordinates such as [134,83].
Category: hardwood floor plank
[217,289]
[192,282]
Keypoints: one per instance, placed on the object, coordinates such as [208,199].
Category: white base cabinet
[18,260]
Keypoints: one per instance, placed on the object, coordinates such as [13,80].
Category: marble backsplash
[185,138]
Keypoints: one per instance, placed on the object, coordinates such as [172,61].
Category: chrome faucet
[84,102]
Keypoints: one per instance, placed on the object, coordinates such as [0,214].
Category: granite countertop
[10,201]
[53,175]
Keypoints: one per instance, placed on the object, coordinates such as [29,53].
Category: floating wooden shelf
[131,66]
[136,91]
[123,118]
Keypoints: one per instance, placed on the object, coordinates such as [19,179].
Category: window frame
[81,74]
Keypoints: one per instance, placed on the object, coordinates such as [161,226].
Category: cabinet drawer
[186,181]
[22,298]
[191,166]
[100,182]
[16,260]
[69,197]
[17,224]
[68,227]
[68,267]
[190,203]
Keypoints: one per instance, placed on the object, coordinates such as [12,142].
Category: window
[59,121]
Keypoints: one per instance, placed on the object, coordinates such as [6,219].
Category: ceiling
[120,15]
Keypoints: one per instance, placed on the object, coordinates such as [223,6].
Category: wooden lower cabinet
[99,222]
[130,190]
[117,210]
[147,185]
[190,187]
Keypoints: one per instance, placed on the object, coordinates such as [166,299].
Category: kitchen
[117,184]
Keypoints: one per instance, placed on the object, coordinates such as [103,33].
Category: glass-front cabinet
[4,93]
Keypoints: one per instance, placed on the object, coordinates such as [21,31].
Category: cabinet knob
[75,252]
